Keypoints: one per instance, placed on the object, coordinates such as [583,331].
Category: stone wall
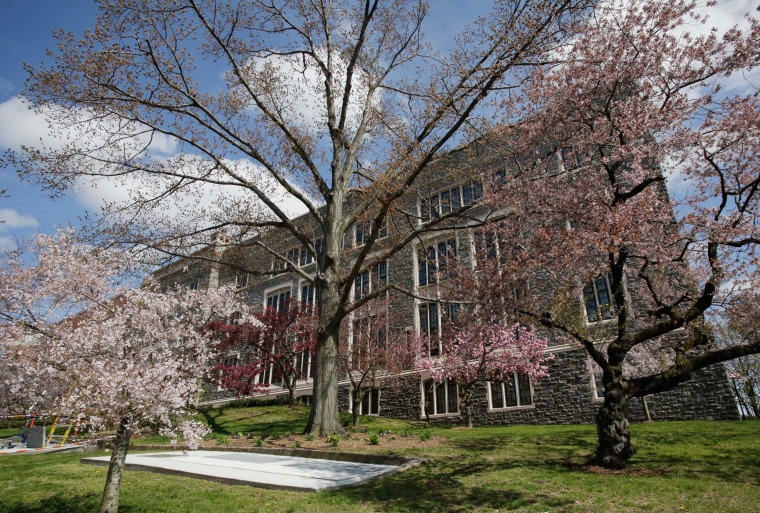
[567,397]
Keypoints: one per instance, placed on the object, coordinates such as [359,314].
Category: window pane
[453,397]
[445,202]
[456,199]
[602,291]
[497,395]
[510,391]
[523,382]
[467,195]
[432,264]
[440,398]
[590,299]
[424,320]
[422,267]
[477,191]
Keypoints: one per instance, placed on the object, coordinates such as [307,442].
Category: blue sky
[25,33]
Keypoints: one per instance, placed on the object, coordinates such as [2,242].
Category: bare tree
[337,107]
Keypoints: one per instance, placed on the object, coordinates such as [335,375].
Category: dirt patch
[386,442]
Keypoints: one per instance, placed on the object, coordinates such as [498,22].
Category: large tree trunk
[110,501]
[614,434]
[324,419]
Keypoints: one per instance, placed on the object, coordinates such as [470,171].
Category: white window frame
[371,398]
[361,232]
[444,312]
[285,288]
[518,383]
[447,385]
[371,279]
[449,200]
[432,267]
[595,381]
[605,312]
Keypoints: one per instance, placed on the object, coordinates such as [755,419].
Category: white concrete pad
[262,470]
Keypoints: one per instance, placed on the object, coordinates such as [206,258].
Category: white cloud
[11,219]
[5,86]
[299,91]
[21,125]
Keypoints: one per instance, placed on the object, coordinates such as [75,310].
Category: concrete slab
[261,470]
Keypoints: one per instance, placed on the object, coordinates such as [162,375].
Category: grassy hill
[679,466]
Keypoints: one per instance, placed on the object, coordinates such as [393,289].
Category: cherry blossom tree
[273,344]
[332,109]
[477,352]
[78,344]
[632,193]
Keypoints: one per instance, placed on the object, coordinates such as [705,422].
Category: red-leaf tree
[274,344]
[74,343]
[621,258]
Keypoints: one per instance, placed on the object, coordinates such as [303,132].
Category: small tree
[480,352]
[377,348]
[115,358]
[283,339]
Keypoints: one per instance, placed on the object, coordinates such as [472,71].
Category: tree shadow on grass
[437,486]
[58,504]
[728,451]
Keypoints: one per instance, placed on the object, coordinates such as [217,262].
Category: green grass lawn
[679,466]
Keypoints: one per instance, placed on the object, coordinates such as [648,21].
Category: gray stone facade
[567,396]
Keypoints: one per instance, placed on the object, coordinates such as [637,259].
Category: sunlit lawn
[680,466]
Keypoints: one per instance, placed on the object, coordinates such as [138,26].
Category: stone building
[569,395]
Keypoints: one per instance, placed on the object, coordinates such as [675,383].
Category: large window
[491,245]
[370,404]
[362,231]
[441,398]
[278,299]
[434,316]
[432,261]
[299,256]
[371,279]
[450,200]
[511,394]
[571,158]
[597,297]
[242,280]
[303,364]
